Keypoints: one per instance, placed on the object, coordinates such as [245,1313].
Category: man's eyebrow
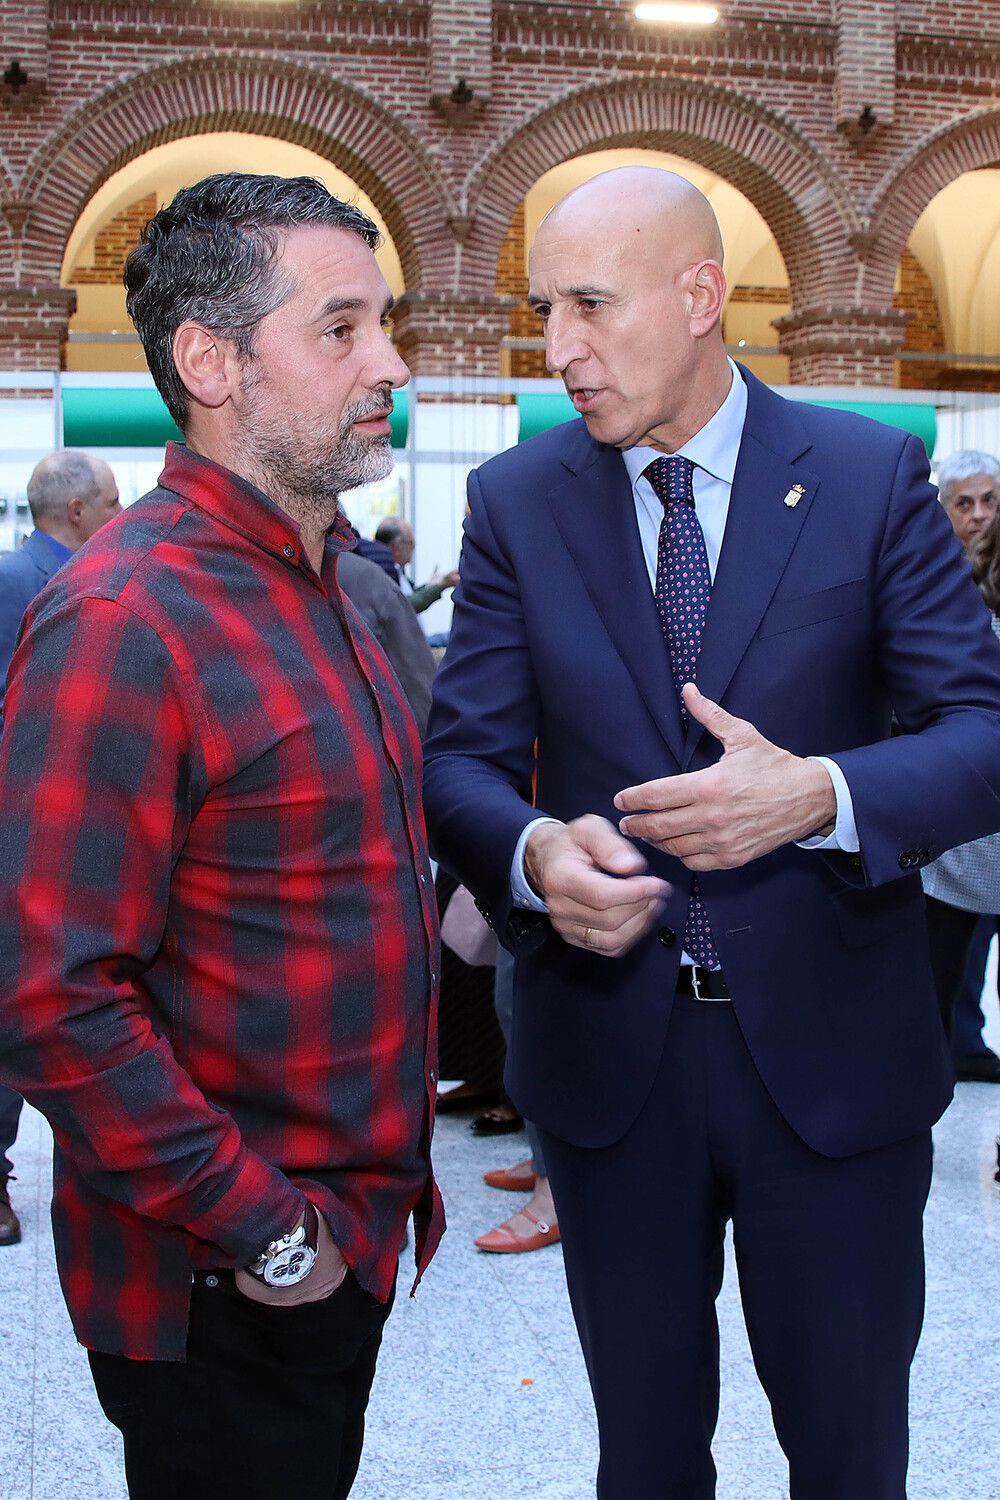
[334,305]
[602,292]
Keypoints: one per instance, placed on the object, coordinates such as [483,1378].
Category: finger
[725,727]
[610,919]
[592,891]
[613,945]
[605,846]
[665,792]
[655,827]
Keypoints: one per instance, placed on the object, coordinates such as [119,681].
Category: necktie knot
[671,479]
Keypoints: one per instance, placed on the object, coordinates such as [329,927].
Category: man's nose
[390,368]
[562,346]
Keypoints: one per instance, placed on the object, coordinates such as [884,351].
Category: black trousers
[950,930]
[830,1260]
[270,1401]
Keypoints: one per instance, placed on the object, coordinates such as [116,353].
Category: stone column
[842,345]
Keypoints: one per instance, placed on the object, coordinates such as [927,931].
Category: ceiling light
[681,15]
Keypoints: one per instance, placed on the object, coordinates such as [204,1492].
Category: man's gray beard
[313,475]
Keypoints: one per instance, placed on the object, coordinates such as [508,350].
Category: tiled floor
[481,1393]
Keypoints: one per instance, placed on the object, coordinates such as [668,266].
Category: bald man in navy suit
[70,495]
[660,756]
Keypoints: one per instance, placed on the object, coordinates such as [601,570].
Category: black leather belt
[703,984]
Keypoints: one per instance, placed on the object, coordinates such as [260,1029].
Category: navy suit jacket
[825,618]
[23,574]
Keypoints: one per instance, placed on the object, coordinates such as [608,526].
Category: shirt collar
[59,550]
[715,448]
[236,503]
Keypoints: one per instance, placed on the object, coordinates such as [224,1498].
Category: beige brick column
[438,333]
[842,345]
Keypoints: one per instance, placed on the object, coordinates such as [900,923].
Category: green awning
[135,417]
[540,411]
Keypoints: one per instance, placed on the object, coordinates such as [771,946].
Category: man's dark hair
[211,256]
[389,531]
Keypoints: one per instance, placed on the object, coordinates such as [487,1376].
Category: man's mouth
[377,421]
[584,397]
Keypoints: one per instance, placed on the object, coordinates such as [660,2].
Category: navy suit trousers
[10,1115]
[830,1259]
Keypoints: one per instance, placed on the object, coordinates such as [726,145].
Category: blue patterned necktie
[683,587]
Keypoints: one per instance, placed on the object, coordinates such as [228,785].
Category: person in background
[70,496]
[969,487]
[962,887]
[218,944]
[534,1225]
[396,535]
[394,625]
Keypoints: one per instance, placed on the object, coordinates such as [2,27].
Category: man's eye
[542,309]
[340,332]
[590,304]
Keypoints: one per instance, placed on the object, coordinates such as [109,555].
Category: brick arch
[262,96]
[914,180]
[792,185]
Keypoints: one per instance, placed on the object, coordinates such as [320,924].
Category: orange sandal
[505,1241]
[510,1181]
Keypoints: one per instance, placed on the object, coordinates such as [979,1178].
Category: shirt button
[211,1281]
[289,551]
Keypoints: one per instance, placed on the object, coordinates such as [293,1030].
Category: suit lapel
[595,513]
[761,532]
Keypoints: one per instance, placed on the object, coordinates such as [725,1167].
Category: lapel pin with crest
[794,495]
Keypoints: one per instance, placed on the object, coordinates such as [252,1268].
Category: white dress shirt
[713,451]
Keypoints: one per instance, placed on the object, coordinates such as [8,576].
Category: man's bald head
[626,274]
[643,201]
[71,495]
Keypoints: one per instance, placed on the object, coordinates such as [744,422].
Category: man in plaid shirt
[218,943]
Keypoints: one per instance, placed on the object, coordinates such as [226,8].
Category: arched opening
[101,337]
[946,285]
[755,268]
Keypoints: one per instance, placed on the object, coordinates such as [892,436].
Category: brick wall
[113,243]
[771,99]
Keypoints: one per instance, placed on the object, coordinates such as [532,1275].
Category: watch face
[289,1266]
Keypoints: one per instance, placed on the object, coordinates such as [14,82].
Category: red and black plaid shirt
[218,938]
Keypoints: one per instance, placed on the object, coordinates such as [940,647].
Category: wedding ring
[586,936]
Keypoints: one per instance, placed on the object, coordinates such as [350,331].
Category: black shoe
[978,1067]
[10,1225]
[504,1120]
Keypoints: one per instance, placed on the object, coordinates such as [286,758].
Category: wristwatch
[288,1260]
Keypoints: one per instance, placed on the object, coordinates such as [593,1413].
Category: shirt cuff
[524,896]
[845,831]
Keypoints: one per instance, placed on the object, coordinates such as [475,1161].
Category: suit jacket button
[907,860]
[667,936]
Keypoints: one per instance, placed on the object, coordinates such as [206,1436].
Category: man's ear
[707,292]
[206,363]
[74,512]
